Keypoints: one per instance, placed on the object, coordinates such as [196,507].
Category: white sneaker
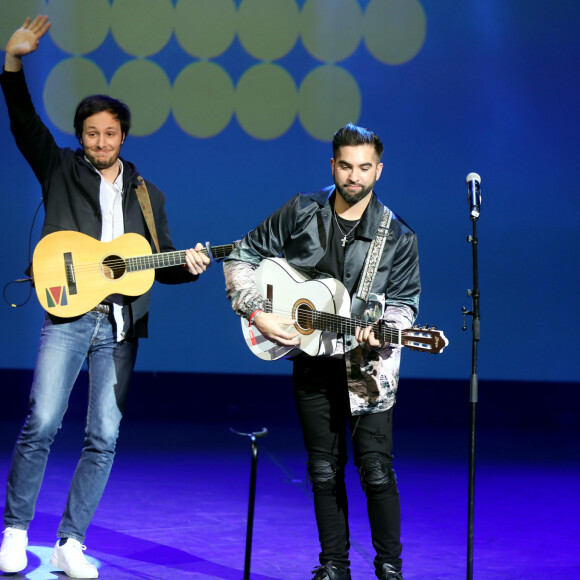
[13,551]
[70,558]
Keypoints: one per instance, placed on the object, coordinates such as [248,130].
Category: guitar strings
[163,259]
[343,325]
[335,323]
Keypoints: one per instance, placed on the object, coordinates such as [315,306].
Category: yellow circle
[145,88]
[268,29]
[203,99]
[331,29]
[205,28]
[329,97]
[266,101]
[79,27]
[14,14]
[395,30]
[69,82]
[142,27]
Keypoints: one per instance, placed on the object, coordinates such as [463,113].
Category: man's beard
[353,198]
[101,163]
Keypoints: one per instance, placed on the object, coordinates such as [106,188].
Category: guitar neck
[343,325]
[177,258]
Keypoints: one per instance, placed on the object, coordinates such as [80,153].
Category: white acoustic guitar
[73,272]
[321,311]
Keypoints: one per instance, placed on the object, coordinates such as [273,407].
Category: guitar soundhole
[113,267]
[303,314]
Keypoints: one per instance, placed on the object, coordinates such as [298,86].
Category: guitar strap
[145,203]
[373,256]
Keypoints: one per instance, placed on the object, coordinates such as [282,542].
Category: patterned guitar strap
[374,256]
[145,203]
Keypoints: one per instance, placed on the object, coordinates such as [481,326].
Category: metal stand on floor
[474,198]
[252,500]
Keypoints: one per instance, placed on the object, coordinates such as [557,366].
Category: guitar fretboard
[343,325]
[177,258]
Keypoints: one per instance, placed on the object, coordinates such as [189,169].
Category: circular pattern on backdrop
[268,29]
[81,77]
[142,27]
[144,86]
[205,28]
[329,97]
[394,30]
[79,27]
[203,99]
[266,101]
[331,29]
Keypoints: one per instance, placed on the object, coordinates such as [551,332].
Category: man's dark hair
[94,104]
[353,135]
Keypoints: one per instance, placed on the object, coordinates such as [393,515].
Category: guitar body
[321,311]
[74,272]
[293,295]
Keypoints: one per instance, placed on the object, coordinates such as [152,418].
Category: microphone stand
[253,470]
[475,327]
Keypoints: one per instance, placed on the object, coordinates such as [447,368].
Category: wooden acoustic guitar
[73,272]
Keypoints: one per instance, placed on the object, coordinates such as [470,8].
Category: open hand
[24,41]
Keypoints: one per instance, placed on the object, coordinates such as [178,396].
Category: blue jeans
[64,346]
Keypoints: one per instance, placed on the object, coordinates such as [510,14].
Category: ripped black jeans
[323,407]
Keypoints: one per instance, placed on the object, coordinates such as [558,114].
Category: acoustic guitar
[73,272]
[321,311]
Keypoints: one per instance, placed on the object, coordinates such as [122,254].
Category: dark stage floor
[176,505]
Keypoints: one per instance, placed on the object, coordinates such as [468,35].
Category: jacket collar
[371,218]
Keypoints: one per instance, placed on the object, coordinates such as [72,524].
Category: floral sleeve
[241,287]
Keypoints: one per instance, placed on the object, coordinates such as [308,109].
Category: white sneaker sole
[91,572]
[15,568]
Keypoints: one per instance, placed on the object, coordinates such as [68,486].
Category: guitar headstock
[424,339]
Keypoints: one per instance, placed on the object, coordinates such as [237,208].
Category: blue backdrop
[235,104]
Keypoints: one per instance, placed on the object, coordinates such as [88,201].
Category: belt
[103,308]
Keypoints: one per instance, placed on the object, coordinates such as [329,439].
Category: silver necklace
[343,239]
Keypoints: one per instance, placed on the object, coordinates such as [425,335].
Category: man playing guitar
[91,191]
[330,234]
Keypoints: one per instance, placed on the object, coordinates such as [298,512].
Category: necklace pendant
[343,240]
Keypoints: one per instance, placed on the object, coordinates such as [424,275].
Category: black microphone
[473,194]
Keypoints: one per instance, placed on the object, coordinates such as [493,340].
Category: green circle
[329,97]
[80,77]
[13,16]
[203,99]
[79,27]
[144,86]
[205,28]
[331,29]
[142,27]
[266,101]
[395,30]
[268,29]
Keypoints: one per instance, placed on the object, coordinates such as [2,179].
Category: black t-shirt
[332,263]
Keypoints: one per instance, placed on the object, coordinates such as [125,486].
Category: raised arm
[24,41]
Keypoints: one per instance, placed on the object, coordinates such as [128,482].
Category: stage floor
[176,505]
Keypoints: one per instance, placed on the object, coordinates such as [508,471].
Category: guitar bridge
[70,273]
[269,299]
